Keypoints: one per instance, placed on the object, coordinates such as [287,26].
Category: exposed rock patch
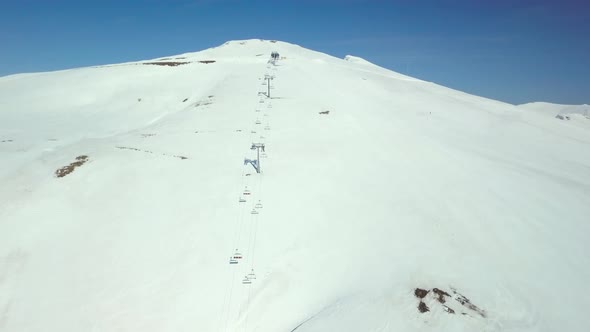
[80,160]
[421,293]
[442,297]
[167,63]
[422,307]
[147,151]
[205,102]
[467,303]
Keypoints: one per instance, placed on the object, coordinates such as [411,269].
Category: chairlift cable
[229,301]
[248,309]
[226,309]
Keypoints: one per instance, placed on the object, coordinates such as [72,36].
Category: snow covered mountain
[562,112]
[384,203]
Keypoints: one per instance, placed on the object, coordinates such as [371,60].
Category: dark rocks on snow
[422,307]
[449,310]
[420,293]
[441,295]
[80,160]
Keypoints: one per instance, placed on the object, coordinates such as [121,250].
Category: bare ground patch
[442,296]
[167,63]
[150,152]
[205,102]
[467,303]
[80,160]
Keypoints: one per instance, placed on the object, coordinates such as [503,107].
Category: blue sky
[515,51]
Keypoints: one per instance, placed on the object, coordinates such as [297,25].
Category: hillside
[379,195]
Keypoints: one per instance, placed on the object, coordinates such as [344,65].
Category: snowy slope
[404,184]
[580,113]
[557,108]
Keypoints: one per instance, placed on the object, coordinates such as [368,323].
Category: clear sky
[516,51]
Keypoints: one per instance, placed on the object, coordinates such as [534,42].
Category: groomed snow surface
[398,185]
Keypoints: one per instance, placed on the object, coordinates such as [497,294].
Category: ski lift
[267,127]
[263,155]
[252,132]
[261,101]
[257,110]
[258,122]
[251,275]
[242,200]
[254,211]
[258,205]
[246,191]
[233,261]
[246,281]
[237,255]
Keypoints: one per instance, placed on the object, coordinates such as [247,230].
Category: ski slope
[403,184]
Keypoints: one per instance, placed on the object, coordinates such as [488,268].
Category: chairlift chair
[258,205]
[242,200]
[237,255]
[233,261]
[251,275]
[258,122]
[246,281]
[254,211]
